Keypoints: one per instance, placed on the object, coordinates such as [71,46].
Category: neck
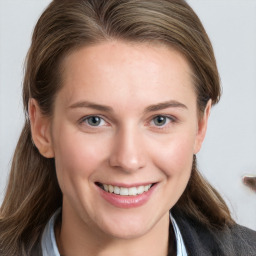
[75,238]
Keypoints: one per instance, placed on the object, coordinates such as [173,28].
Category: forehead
[141,71]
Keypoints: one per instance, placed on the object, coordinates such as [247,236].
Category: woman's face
[125,120]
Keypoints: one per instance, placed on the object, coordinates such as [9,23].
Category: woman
[117,96]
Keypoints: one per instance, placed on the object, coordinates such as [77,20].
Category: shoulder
[201,240]
[243,238]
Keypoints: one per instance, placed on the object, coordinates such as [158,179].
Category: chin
[125,228]
[126,232]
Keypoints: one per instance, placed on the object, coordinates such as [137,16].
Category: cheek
[77,157]
[175,162]
[174,157]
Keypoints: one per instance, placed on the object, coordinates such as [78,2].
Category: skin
[128,146]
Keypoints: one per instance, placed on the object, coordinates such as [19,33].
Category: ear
[202,127]
[40,129]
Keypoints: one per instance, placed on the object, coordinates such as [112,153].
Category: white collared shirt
[49,245]
[181,249]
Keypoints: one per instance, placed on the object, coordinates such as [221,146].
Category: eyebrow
[164,105]
[88,104]
[151,108]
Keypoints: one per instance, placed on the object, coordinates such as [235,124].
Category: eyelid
[170,117]
[173,118]
[84,118]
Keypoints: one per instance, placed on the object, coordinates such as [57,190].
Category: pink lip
[127,201]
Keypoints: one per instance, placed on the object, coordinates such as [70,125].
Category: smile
[124,191]
[124,196]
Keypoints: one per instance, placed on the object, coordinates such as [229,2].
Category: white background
[229,150]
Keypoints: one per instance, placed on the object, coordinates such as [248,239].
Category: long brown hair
[33,193]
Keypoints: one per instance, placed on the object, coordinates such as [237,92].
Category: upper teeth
[132,191]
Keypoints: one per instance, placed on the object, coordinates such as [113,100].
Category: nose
[128,152]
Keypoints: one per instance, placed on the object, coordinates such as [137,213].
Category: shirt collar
[48,242]
[181,249]
[49,245]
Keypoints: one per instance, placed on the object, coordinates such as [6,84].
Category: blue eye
[161,121]
[94,121]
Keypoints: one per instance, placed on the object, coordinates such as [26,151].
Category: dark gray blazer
[200,241]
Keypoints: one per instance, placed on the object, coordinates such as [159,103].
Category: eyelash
[86,118]
[168,120]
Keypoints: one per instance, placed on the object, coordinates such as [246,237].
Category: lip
[127,201]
